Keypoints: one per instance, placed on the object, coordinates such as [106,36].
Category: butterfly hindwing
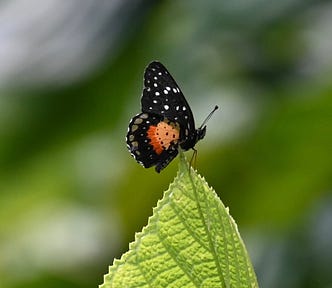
[140,147]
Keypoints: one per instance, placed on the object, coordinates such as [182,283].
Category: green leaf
[190,241]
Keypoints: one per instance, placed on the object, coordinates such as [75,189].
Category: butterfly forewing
[162,96]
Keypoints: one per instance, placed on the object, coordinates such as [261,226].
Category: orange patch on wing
[163,135]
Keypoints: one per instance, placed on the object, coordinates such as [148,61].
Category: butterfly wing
[140,147]
[162,96]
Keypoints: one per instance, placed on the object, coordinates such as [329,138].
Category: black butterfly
[166,121]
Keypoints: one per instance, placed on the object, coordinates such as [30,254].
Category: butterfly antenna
[209,116]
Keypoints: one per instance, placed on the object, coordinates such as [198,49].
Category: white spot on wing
[165,91]
[168,88]
[157,93]
[166,107]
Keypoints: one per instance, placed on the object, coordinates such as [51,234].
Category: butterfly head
[201,131]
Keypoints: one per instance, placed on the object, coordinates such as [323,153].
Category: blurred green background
[72,197]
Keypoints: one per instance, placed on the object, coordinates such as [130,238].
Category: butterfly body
[165,124]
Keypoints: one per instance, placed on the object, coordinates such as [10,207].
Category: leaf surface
[190,241]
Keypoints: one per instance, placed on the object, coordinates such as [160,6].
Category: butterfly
[166,122]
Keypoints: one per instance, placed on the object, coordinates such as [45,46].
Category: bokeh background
[71,196]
